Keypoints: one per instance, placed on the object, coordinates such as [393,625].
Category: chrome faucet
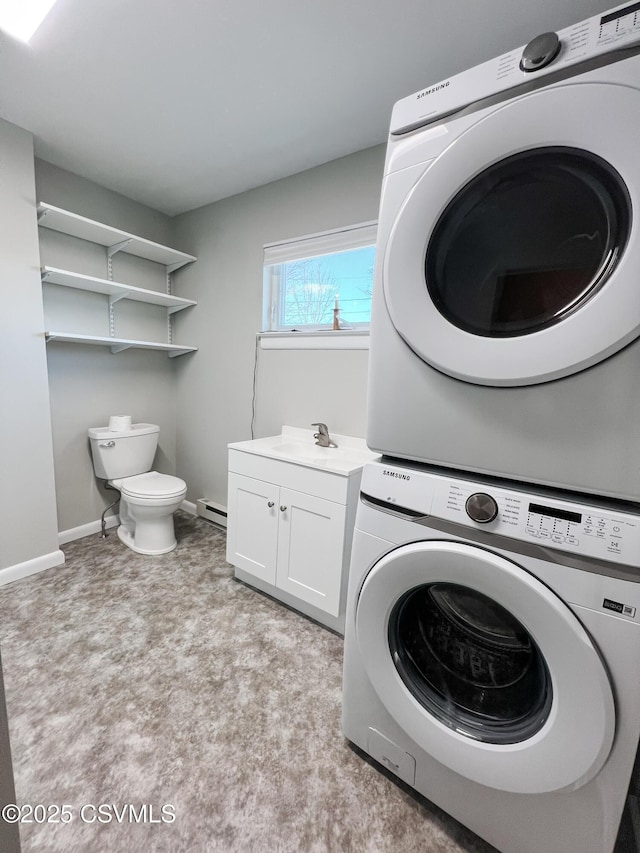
[322,436]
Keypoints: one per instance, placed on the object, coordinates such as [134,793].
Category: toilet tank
[123,453]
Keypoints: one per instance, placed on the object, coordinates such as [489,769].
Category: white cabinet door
[310,549]
[252,533]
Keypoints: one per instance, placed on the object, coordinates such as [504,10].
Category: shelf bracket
[117,247]
[44,274]
[116,297]
[113,250]
[120,347]
[113,298]
[171,268]
[41,214]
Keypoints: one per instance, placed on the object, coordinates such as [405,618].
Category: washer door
[485,668]
[514,258]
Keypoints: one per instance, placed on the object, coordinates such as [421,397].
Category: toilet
[148,500]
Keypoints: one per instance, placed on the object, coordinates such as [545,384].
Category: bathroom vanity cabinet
[290,522]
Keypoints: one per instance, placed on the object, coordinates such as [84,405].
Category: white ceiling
[178,103]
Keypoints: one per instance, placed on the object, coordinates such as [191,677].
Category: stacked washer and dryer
[492,643]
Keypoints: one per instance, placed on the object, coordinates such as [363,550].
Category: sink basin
[314,453]
[298,446]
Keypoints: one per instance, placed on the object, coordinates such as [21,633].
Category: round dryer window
[512,260]
[527,241]
[484,667]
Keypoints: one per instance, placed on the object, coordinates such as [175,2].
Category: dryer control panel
[603,532]
[546,53]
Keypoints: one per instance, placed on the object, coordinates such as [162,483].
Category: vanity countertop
[298,446]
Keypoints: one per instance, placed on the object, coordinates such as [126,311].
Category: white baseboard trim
[31,567]
[190,507]
[88,529]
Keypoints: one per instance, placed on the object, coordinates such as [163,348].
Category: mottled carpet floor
[135,683]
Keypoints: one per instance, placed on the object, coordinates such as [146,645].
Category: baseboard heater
[217,513]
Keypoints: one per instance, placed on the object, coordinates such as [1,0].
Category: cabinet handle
[270,504]
[282,508]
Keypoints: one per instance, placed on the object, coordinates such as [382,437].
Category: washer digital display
[564,514]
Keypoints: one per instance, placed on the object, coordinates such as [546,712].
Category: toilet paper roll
[119,423]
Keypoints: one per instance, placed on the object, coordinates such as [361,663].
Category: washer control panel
[602,532]
[544,54]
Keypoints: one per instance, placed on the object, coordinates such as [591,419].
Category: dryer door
[514,258]
[485,668]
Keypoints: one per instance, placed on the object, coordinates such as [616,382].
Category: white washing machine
[492,653]
[506,307]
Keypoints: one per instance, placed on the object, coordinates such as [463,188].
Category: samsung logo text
[396,474]
[433,89]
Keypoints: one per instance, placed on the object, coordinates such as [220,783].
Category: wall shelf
[113,238]
[117,344]
[115,290]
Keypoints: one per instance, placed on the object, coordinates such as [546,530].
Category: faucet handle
[322,436]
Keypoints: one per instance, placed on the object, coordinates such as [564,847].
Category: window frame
[353,237]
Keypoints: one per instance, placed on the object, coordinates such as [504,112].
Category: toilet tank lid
[136,429]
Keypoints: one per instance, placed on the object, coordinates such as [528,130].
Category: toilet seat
[151,485]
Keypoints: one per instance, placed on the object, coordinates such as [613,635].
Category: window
[313,281]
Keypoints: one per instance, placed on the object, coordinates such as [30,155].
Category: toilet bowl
[148,499]
[147,504]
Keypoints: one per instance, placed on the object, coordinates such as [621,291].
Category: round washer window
[527,241]
[470,663]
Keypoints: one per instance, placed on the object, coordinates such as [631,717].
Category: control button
[481,507]
[540,51]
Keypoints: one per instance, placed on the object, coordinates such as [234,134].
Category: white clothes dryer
[506,309]
[492,650]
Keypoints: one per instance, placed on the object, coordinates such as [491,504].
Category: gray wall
[52,394]
[215,388]
[28,529]
[87,383]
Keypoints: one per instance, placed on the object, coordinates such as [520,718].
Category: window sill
[340,339]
